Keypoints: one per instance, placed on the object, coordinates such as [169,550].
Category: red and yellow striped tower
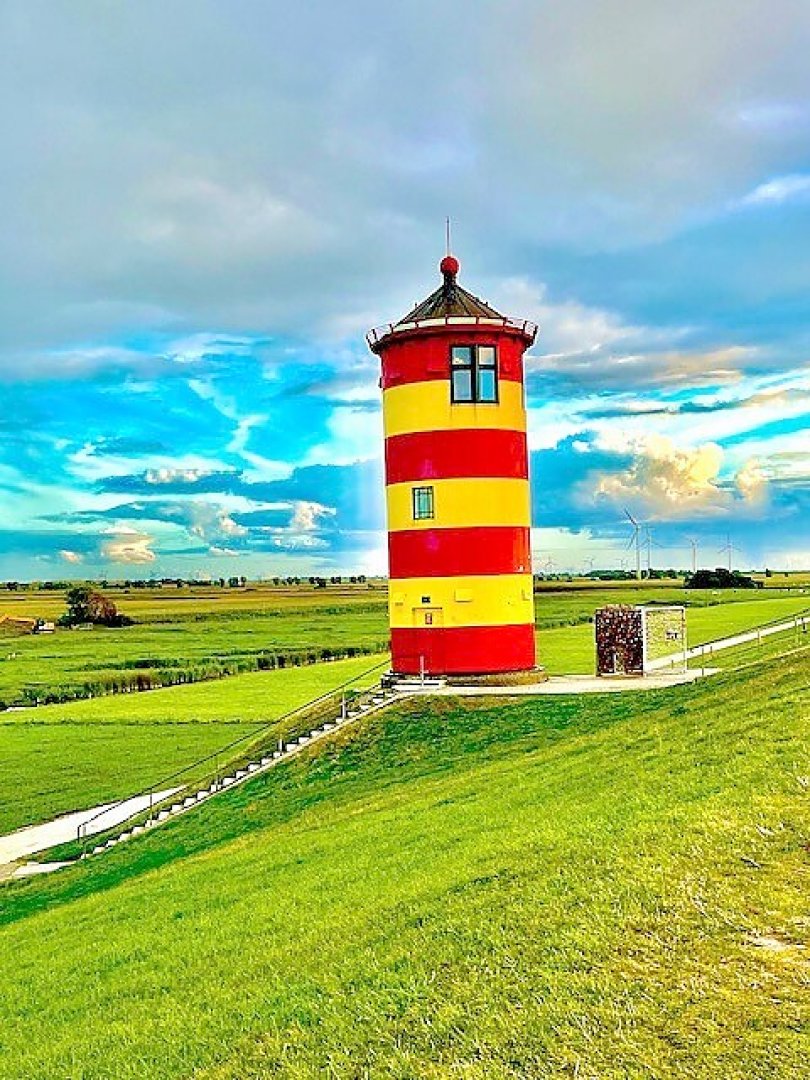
[457,486]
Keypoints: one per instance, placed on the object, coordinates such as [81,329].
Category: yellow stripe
[460,503]
[426,406]
[461,601]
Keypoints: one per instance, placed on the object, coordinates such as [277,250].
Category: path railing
[342,701]
[800,623]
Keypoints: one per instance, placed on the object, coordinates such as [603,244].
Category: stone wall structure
[630,638]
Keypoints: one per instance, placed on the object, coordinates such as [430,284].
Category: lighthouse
[457,485]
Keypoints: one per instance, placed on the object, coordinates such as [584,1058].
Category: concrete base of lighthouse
[501,678]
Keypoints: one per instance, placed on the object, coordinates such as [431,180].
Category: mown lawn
[600,887]
[59,758]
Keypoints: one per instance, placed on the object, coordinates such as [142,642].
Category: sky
[205,204]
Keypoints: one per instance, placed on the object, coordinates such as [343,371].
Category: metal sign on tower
[457,485]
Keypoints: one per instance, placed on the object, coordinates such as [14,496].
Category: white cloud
[567,327]
[668,482]
[89,465]
[307,516]
[250,172]
[168,475]
[71,556]
[752,482]
[779,190]
[128,546]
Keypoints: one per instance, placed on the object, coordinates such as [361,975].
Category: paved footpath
[34,838]
[570,684]
[797,623]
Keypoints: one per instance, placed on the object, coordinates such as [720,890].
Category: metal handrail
[526,326]
[81,833]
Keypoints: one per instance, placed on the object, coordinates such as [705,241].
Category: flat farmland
[709,616]
[182,636]
[188,634]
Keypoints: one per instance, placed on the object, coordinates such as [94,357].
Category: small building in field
[638,640]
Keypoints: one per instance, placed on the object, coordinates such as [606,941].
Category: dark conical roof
[450,299]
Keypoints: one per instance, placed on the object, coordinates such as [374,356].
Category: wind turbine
[728,549]
[635,539]
[694,546]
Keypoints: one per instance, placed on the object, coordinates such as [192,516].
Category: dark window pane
[422,503]
[462,356]
[486,385]
[462,385]
[486,356]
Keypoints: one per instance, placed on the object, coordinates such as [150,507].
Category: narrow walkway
[34,838]
[798,622]
[576,684]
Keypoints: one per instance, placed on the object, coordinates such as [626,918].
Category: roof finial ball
[449,266]
[449,269]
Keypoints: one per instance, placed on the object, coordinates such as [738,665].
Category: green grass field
[600,887]
[59,758]
[570,649]
[188,633]
[182,634]
[53,759]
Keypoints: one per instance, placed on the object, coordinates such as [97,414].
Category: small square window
[462,356]
[422,503]
[486,356]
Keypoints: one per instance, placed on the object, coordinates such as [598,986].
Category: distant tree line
[721,578]
[240,582]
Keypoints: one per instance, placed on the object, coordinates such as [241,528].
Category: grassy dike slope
[600,887]
[59,758]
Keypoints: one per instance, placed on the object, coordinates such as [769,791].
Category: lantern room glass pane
[487,387]
[462,356]
[486,356]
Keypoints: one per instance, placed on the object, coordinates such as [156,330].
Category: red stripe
[463,650]
[426,358]
[452,552]
[444,454]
